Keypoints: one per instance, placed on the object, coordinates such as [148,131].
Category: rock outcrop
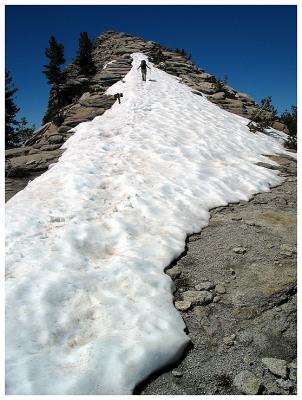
[85,98]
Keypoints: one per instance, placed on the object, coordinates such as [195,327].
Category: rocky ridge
[84,99]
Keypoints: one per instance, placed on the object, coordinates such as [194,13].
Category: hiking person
[143,68]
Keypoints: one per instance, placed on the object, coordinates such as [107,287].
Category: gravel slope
[248,250]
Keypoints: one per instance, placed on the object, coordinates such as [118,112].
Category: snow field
[88,307]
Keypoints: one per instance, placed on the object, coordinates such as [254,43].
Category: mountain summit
[84,98]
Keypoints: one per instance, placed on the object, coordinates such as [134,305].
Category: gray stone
[229,340]
[247,383]
[197,297]
[64,128]
[245,97]
[206,87]
[287,250]
[205,285]
[286,385]
[55,139]
[176,373]
[220,289]
[38,133]
[293,370]
[19,151]
[239,250]
[236,218]
[34,151]
[49,147]
[250,223]
[183,305]
[97,101]
[174,272]
[276,366]
[216,299]
[218,96]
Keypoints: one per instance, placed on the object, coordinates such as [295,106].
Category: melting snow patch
[89,309]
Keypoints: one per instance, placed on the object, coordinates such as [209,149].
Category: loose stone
[239,250]
[286,385]
[205,286]
[177,373]
[276,366]
[174,272]
[216,299]
[220,289]
[183,305]
[198,297]
[247,383]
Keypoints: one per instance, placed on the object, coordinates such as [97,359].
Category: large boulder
[218,96]
[245,97]
[24,165]
[49,127]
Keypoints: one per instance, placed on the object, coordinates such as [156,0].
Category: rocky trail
[236,291]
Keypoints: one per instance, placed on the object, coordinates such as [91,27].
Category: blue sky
[254,45]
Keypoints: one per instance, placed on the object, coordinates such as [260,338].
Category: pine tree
[290,120]
[84,58]
[23,131]
[11,139]
[55,54]
[263,117]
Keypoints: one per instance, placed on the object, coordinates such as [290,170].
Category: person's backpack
[143,64]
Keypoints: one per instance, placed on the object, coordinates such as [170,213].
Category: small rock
[250,223]
[273,389]
[205,286]
[245,337]
[183,305]
[239,250]
[177,373]
[229,340]
[286,385]
[287,250]
[248,360]
[216,299]
[276,366]
[247,382]
[293,370]
[236,218]
[194,238]
[174,272]
[232,271]
[198,297]
[55,139]
[220,289]
[201,312]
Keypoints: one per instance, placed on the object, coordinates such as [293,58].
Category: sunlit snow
[89,309]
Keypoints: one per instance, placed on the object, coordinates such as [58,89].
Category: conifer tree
[11,110]
[290,120]
[23,131]
[84,58]
[55,54]
[263,117]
